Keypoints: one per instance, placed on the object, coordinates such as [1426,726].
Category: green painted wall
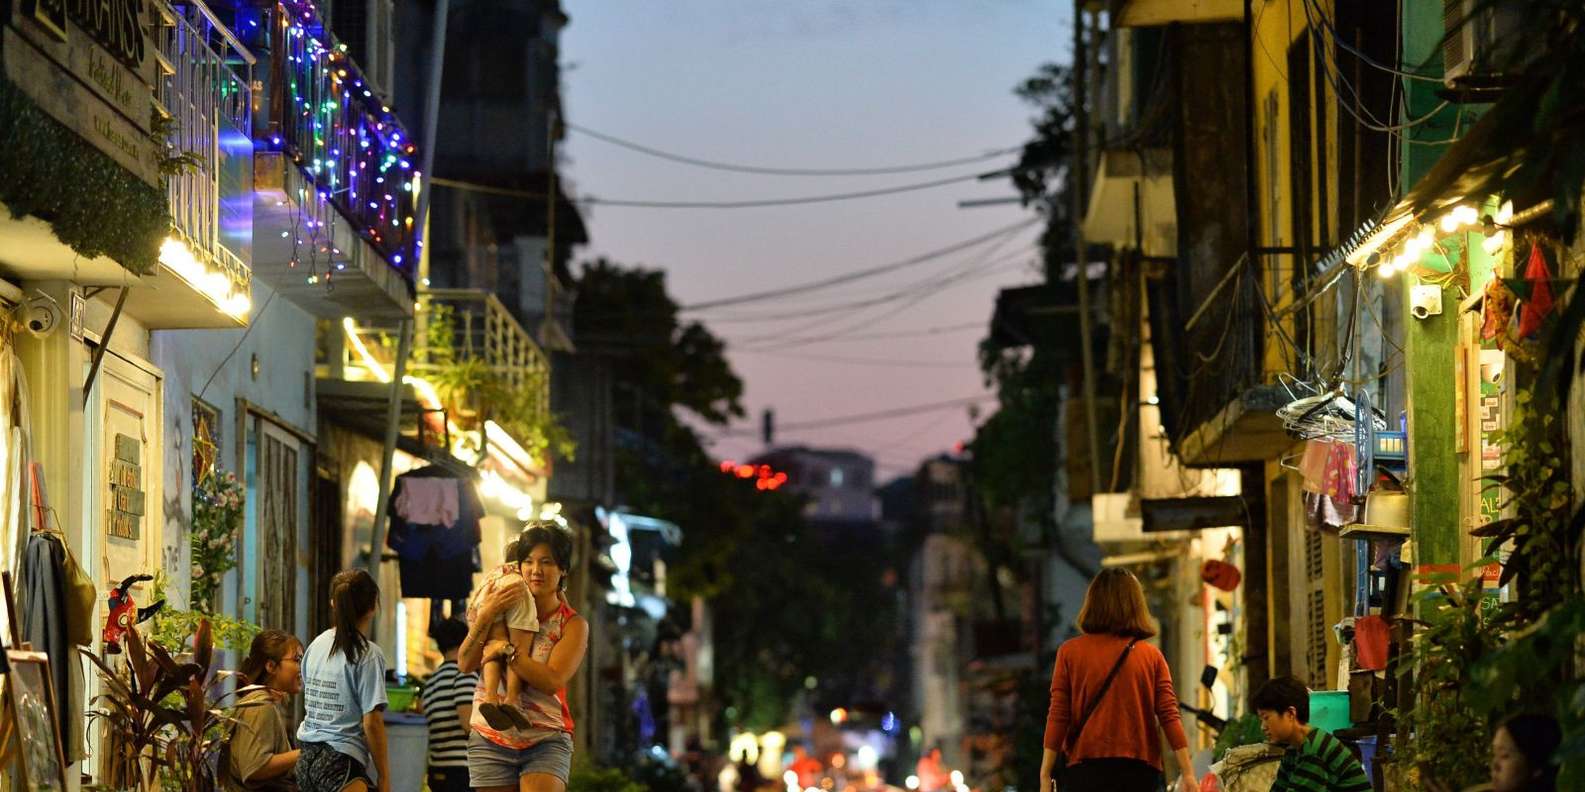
[1430,343]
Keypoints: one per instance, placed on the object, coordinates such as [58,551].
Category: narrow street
[825,396]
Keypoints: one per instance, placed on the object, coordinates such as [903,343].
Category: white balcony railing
[205,101]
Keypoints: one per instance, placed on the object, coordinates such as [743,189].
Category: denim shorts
[491,765]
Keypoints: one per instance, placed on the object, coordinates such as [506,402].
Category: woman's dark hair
[557,539]
[1538,738]
[268,646]
[1277,695]
[352,595]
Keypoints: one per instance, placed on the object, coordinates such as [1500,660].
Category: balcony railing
[482,329]
[317,107]
[204,93]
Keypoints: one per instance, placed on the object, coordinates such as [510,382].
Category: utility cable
[859,361]
[1338,41]
[918,333]
[767,171]
[878,415]
[859,274]
[748,204]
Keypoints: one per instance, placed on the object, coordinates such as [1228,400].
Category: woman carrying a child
[528,747]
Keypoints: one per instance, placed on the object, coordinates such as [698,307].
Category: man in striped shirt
[1315,760]
[448,706]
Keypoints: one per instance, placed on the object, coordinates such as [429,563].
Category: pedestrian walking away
[1110,692]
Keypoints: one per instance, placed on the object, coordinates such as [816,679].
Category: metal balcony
[204,101]
[337,180]
[476,327]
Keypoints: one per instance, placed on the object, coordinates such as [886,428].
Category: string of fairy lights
[1400,245]
[352,147]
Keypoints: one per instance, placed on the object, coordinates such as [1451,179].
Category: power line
[738,168]
[748,204]
[928,286]
[866,361]
[922,332]
[859,274]
[879,415]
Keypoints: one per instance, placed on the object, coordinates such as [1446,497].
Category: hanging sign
[92,67]
[125,518]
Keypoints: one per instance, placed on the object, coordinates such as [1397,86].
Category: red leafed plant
[163,722]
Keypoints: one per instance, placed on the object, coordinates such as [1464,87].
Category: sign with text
[91,65]
[126,489]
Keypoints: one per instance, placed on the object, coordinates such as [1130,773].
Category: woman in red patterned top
[536,759]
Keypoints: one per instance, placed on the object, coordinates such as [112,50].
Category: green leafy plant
[217,515]
[586,777]
[162,716]
[93,205]
[470,386]
[174,629]
[1545,543]
[1450,728]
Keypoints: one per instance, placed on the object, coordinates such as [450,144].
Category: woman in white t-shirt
[343,731]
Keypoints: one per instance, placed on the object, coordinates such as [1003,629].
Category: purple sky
[815,84]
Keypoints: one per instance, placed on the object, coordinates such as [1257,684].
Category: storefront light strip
[214,285]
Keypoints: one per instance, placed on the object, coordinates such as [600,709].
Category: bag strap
[1078,728]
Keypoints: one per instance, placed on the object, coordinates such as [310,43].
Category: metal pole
[550,232]
[1077,184]
[437,61]
[393,427]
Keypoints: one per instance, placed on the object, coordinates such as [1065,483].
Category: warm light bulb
[1504,213]
[1449,222]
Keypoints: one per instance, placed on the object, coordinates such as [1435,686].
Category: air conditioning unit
[1482,50]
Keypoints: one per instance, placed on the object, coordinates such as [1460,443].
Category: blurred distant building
[840,484]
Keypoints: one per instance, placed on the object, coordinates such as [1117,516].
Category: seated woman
[260,754]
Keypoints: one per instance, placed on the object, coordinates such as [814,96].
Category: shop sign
[126,489]
[91,65]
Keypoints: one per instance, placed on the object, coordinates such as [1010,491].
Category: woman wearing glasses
[260,754]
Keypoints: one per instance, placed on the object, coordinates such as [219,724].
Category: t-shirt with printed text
[337,694]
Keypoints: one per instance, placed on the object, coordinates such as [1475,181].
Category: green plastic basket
[399,699]
[1329,709]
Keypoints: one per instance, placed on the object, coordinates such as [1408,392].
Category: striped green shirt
[1322,764]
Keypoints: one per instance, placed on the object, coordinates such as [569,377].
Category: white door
[123,514]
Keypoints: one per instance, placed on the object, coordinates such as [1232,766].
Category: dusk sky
[816,84]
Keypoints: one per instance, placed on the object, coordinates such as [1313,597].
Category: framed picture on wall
[31,700]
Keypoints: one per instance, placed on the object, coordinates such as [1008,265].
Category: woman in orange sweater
[1109,692]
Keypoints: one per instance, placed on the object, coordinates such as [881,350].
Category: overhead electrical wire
[1337,40]
[849,277]
[878,415]
[865,361]
[932,284]
[769,171]
[745,204]
[919,333]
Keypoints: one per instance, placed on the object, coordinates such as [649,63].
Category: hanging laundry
[428,501]
[1340,472]
[436,560]
[1371,636]
[1535,309]
[45,610]
[1312,466]
[1327,514]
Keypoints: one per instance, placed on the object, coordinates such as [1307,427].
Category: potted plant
[162,717]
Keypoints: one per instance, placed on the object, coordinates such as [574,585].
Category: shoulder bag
[1061,771]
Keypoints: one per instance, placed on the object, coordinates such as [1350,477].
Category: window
[836,477]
